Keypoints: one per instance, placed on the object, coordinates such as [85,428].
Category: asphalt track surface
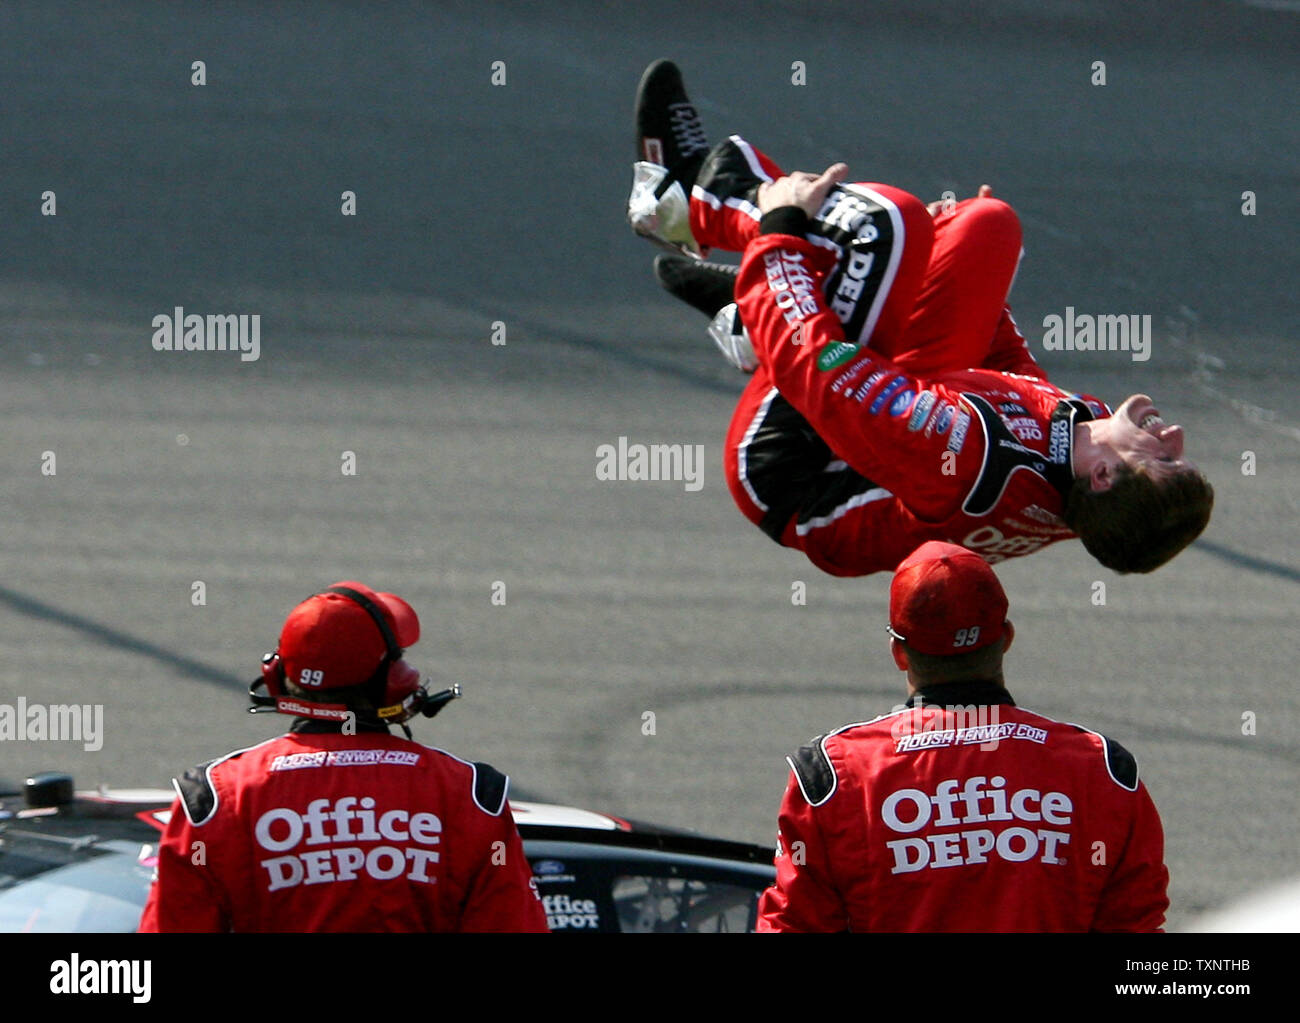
[475,462]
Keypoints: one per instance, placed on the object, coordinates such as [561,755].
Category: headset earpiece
[399,682]
[273,673]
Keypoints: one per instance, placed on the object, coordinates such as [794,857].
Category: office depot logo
[412,840]
[977,800]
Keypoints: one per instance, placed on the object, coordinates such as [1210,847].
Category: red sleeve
[856,401]
[503,895]
[184,896]
[1136,895]
[1009,352]
[804,898]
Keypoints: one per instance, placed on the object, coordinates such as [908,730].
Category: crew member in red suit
[961,811]
[340,825]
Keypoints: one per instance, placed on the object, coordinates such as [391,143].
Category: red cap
[946,600]
[332,634]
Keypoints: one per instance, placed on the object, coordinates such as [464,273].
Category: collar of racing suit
[1004,453]
[1073,410]
[978,692]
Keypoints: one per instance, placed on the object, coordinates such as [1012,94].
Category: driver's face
[1140,437]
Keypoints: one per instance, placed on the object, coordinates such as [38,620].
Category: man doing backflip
[893,401]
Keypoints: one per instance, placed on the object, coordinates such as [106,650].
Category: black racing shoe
[710,288]
[668,128]
[705,286]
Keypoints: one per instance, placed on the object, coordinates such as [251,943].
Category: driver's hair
[1140,522]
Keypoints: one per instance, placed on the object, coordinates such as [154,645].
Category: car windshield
[49,883]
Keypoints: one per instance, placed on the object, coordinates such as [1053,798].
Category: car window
[600,886]
[649,904]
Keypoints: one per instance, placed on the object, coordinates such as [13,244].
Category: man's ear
[1008,635]
[900,655]
[1101,476]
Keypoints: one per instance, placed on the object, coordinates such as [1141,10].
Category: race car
[83,861]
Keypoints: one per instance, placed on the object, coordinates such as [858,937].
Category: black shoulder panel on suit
[490,787]
[197,794]
[814,771]
[1123,766]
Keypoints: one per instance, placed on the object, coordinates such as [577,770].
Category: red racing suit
[322,831]
[976,817]
[858,451]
